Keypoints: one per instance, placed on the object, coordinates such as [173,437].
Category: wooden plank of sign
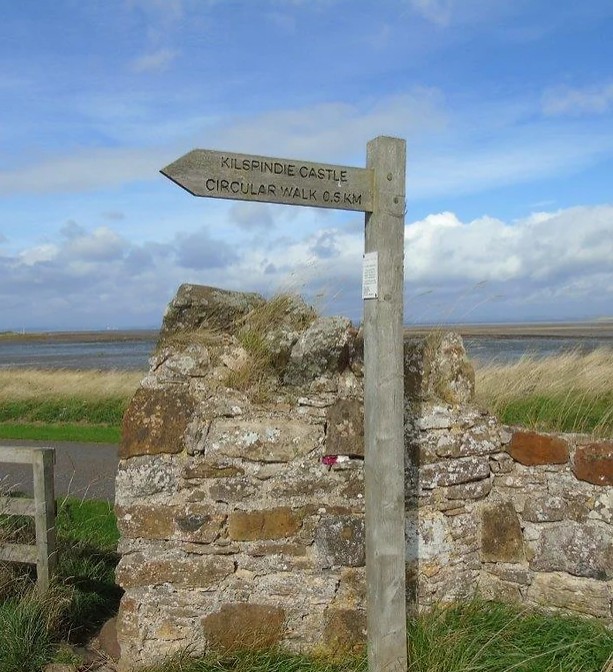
[247,177]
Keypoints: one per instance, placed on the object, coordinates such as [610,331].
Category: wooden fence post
[383,411]
[44,498]
[41,508]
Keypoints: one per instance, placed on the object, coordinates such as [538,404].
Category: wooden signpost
[379,191]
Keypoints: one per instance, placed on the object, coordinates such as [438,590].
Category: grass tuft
[271,660]
[266,334]
[492,637]
[83,594]
[572,392]
[29,624]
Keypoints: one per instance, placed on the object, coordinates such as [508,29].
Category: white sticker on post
[370,275]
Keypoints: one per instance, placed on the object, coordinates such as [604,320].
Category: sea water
[133,354]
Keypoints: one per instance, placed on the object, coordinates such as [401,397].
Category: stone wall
[240,487]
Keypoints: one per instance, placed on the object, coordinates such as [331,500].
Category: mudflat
[598,329]
[107,336]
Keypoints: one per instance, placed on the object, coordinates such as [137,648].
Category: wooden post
[383,412]
[44,498]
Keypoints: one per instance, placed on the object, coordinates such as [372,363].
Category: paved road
[85,470]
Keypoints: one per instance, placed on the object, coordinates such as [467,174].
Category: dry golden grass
[32,384]
[591,373]
[568,392]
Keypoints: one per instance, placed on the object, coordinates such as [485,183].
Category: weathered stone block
[155,422]
[501,537]
[581,595]
[545,509]
[298,486]
[244,626]
[276,523]
[287,550]
[532,448]
[345,428]
[454,472]
[201,571]
[201,307]
[579,549]
[511,573]
[339,540]
[594,463]
[231,490]
[322,348]
[351,591]
[175,364]
[146,475]
[472,490]
[435,417]
[603,507]
[501,463]
[190,522]
[345,630]
[437,367]
[207,470]
[262,440]
[493,588]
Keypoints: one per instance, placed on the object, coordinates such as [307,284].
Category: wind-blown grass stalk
[572,392]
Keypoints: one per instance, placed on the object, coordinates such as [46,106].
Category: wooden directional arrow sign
[245,177]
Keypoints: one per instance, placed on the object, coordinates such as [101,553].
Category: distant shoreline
[106,336]
[523,330]
[601,330]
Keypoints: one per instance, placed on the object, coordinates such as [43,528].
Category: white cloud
[478,150]
[576,242]
[515,158]
[168,9]
[437,11]
[548,265]
[329,132]
[251,216]
[155,61]
[101,245]
[37,254]
[565,100]
[84,170]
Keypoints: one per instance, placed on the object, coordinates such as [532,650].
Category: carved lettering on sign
[223,175]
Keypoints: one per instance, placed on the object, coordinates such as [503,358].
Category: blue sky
[507,109]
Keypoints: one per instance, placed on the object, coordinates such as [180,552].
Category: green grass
[83,596]
[69,410]
[562,413]
[571,392]
[63,419]
[259,661]
[28,623]
[60,432]
[493,637]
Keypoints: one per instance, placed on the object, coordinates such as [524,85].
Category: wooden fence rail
[41,507]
